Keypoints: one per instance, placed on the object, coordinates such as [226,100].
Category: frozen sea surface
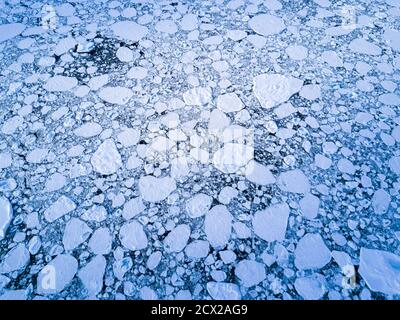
[237,149]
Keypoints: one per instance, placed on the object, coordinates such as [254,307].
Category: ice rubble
[106,159]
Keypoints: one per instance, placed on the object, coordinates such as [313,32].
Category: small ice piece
[311,287]
[5,160]
[270,224]
[15,260]
[129,30]
[138,73]
[146,293]
[273,89]
[197,249]
[155,189]
[250,272]
[97,82]
[311,252]
[233,157]
[115,95]
[394,164]
[166,26]
[101,241]
[380,201]
[55,182]
[60,83]
[331,58]
[218,226]
[153,260]
[362,46]
[224,291]
[10,30]
[346,166]
[294,181]
[95,213]
[92,276]
[227,194]
[129,137]
[297,52]
[132,208]
[259,174]
[37,155]
[309,206]
[76,232]
[229,102]
[392,36]
[132,236]
[106,159]
[389,99]
[198,205]
[218,120]
[88,130]
[266,24]
[177,239]
[284,110]
[57,274]
[380,270]
[197,96]
[189,22]
[59,208]
[124,54]
[6,214]
[311,92]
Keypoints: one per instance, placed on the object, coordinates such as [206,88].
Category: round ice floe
[166,26]
[309,206]
[177,239]
[229,102]
[266,24]
[155,189]
[15,260]
[59,208]
[92,274]
[5,160]
[197,249]
[270,224]
[233,157]
[101,241]
[129,137]
[218,226]
[311,92]
[137,73]
[132,236]
[10,30]
[116,95]
[124,54]
[12,124]
[198,205]
[189,22]
[106,159]
[56,275]
[362,46]
[311,287]
[380,201]
[294,181]
[273,89]
[75,233]
[197,96]
[88,130]
[250,272]
[60,83]
[258,173]
[129,30]
[297,52]
[224,291]
[311,252]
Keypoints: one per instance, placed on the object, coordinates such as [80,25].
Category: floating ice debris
[6,214]
[106,159]
[132,236]
[129,30]
[270,224]
[218,226]
[250,273]
[309,206]
[362,46]
[311,287]
[198,205]
[380,270]
[75,233]
[92,275]
[294,181]
[229,102]
[166,26]
[15,260]
[380,201]
[115,95]
[266,24]
[177,239]
[132,208]
[88,130]
[273,89]
[197,96]
[101,241]
[155,189]
[59,208]
[223,291]
[311,252]
[57,274]
[233,157]
[197,249]
[10,30]
[259,174]
[60,83]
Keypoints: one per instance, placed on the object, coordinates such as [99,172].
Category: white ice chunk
[129,137]
[101,241]
[311,287]
[380,201]
[115,95]
[198,205]
[60,83]
[311,92]
[106,159]
[270,224]
[15,260]
[10,30]
[197,249]
[138,73]
[177,239]
[132,236]
[55,182]
[132,208]
[297,52]
[309,206]
[233,157]
[155,189]
[189,22]
[59,208]
[57,274]
[92,276]
[311,252]
[294,181]
[95,213]
[37,155]
[229,102]
[6,214]
[88,130]
[266,24]
[250,272]
[153,260]
[362,46]
[259,174]
[124,54]
[5,160]
[76,232]
[197,96]
[166,26]
[129,30]
[218,226]
[224,291]
[380,270]
[273,89]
